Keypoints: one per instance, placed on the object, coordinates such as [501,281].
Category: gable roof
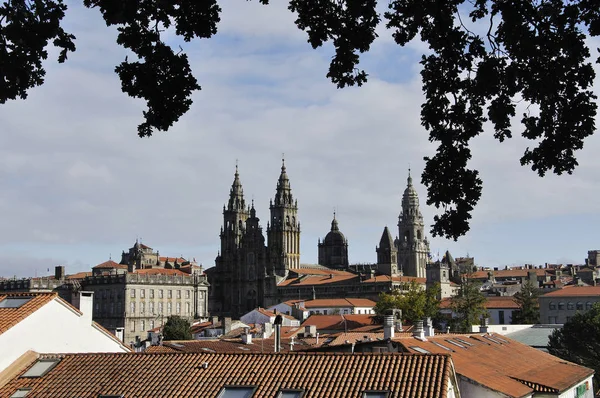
[205,374]
[492,302]
[9,317]
[502,364]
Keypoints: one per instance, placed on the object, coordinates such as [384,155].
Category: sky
[78,186]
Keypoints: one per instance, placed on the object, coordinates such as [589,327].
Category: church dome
[335,236]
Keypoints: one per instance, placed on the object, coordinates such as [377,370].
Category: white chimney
[247,336]
[418,331]
[484,327]
[428,328]
[84,301]
[388,327]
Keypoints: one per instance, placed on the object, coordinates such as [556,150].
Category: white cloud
[78,182]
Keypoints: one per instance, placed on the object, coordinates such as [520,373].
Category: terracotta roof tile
[497,362]
[509,273]
[205,374]
[339,322]
[575,291]
[9,317]
[110,265]
[342,302]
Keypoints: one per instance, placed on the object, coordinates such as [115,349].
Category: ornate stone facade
[250,272]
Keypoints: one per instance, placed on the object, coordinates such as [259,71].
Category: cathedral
[250,272]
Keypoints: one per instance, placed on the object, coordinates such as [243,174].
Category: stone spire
[236,194]
[413,247]
[387,255]
[283,195]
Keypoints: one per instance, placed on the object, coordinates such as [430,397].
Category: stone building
[133,296]
[251,272]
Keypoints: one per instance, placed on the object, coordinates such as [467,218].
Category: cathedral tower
[283,232]
[413,247]
[333,251]
[234,217]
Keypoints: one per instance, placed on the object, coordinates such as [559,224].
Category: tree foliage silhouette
[533,52]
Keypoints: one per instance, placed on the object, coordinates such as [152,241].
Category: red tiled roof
[343,302]
[79,275]
[110,265]
[491,302]
[339,322]
[401,279]
[9,317]
[205,374]
[497,364]
[317,280]
[508,273]
[173,259]
[575,291]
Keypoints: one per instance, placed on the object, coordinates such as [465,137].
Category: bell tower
[413,246]
[283,231]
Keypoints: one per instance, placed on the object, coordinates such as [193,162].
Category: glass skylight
[237,392]
[418,349]
[40,368]
[290,394]
[14,302]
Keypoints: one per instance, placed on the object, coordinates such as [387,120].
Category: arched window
[561,306]
[588,305]
[570,306]
[552,305]
[579,306]
[419,235]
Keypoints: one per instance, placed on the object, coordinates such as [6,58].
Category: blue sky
[78,185]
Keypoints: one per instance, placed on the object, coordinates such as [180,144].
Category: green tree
[415,302]
[177,328]
[468,305]
[483,58]
[578,340]
[529,308]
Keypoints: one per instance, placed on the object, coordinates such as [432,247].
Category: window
[289,393]
[151,293]
[142,325]
[21,392]
[187,294]
[561,306]
[142,308]
[151,324]
[132,325]
[151,308]
[570,306]
[501,317]
[376,394]
[579,306]
[552,305]
[237,392]
[160,308]
[169,308]
[142,293]
[132,293]
[14,302]
[588,305]
[187,309]
[169,293]
[40,368]
[132,308]
[178,308]
[179,294]
[160,293]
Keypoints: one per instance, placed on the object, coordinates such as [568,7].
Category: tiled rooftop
[509,273]
[342,302]
[160,271]
[490,303]
[110,265]
[9,317]
[575,291]
[322,375]
[340,322]
[497,362]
